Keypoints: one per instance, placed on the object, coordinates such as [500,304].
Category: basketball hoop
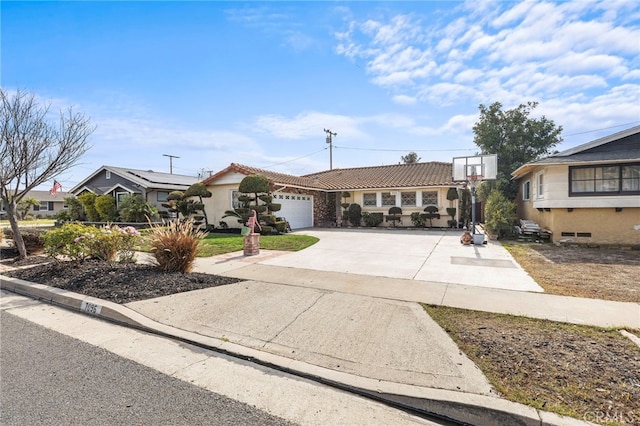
[474,180]
[473,170]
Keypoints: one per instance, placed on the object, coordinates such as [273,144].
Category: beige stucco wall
[220,201]
[443,203]
[594,215]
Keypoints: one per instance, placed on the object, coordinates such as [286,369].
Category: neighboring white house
[49,206]
[588,194]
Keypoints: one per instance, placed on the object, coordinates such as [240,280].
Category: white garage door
[296,208]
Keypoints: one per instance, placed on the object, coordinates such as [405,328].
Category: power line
[604,128]
[296,159]
[403,150]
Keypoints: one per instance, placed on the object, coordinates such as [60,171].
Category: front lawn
[215,244]
[28,223]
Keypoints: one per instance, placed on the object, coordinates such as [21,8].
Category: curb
[459,407]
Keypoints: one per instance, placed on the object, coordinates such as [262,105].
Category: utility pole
[171,157]
[330,142]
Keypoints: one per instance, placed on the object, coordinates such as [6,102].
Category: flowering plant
[78,242]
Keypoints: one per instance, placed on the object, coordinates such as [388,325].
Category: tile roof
[275,177]
[393,176]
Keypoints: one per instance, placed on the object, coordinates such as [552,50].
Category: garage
[296,208]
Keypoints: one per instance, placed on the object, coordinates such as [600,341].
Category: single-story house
[314,199]
[50,205]
[587,194]
[118,182]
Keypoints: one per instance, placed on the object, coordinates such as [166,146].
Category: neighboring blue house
[118,182]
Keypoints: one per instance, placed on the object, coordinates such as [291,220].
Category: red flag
[56,187]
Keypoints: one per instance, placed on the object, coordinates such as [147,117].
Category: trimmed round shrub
[354,213]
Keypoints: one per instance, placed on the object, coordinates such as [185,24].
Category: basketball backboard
[484,167]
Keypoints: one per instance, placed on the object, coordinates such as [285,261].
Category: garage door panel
[296,208]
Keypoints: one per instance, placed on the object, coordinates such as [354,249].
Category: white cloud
[405,100]
[305,125]
[569,53]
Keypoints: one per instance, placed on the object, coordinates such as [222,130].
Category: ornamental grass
[175,245]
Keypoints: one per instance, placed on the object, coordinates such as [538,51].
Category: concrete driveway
[424,255]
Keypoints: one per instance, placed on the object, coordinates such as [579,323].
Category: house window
[408,199]
[429,198]
[108,174]
[120,197]
[369,200]
[162,196]
[631,178]
[388,199]
[235,203]
[526,191]
[44,206]
[604,180]
[540,185]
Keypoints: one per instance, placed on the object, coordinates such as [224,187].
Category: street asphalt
[346,311]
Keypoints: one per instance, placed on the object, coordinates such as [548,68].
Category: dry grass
[597,273]
[585,372]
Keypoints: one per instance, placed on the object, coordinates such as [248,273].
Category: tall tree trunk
[18,241]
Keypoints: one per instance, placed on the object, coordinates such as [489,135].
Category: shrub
[268,230]
[33,238]
[67,240]
[75,211]
[281,226]
[105,205]
[372,219]
[355,214]
[112,242]
[134,209]
[431,212]
[88,200]
[417,220]
[79,242]
[500,214]
[175,245]
[62,216]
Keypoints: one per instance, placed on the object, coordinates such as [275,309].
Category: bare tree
[33,151]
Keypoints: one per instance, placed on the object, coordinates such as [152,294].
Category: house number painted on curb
[90,308]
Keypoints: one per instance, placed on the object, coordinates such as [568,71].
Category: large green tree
[410,158]
[516,137]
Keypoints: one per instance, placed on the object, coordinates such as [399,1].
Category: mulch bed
[119,283]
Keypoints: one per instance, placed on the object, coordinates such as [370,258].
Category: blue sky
[257,82]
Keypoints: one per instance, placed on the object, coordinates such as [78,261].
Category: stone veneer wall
[324,209]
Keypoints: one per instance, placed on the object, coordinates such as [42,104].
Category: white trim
[119,185]
[539,186]
[527,184]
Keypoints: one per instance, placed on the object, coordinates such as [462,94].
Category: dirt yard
[585,372]
[596,273]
